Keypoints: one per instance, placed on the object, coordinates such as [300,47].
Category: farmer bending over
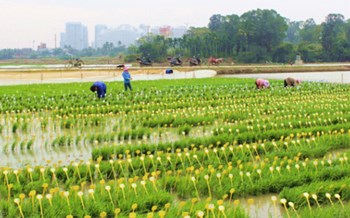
[291,82]
[100,88]
[262,83]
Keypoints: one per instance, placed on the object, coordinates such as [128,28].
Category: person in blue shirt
[127,79]
[100,88]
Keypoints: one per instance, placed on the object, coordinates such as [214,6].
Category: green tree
[216,22]
[107,49]
[284,53]
[347,41]
[153,47]
[310,32]
[88,52]
[198,41]
[263,31]
[310,47]
[230,42]
[293,31]
[310,52]
[333,37]
[7,54]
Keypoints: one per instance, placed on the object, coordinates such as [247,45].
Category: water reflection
[332,77]
[37,145]
[262,206]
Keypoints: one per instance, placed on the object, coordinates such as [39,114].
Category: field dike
[279,69]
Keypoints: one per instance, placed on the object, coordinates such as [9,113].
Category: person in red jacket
[262,83]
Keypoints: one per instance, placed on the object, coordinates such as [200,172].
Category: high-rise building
[122,35]
[76,36]
[100,30]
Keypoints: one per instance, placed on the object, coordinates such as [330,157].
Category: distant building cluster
[42,47]
[122,35]
[76,34]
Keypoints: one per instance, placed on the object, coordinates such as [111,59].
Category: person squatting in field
[100,88]
[127,79]
[262,83]
[291,82]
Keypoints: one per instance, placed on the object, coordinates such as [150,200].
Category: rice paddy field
[213,147]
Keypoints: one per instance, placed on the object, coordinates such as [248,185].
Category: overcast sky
[25,21]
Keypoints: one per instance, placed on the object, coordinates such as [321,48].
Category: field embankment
[234,69]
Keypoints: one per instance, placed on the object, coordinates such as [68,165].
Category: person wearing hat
[291,82]
[100,88]
[127,79]
[262,83]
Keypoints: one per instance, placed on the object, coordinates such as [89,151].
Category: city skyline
[76,35]
[28,23]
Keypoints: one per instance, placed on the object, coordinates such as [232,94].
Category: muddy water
[81,76]
[262,206]
[332,77]
[15,151]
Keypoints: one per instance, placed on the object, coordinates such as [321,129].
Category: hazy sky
[25,21]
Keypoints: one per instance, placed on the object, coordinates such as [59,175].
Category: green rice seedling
[30,144]
[238,144]
[325,211]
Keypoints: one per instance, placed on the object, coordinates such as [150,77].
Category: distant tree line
[108,49]
[257,36]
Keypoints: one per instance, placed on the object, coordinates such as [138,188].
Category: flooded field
[12,75]
[329,77]
[45,141]
[217,146]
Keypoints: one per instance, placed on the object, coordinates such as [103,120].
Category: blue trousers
[127,85]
